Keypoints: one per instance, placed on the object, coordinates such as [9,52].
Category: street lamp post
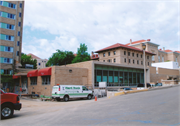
[144,47]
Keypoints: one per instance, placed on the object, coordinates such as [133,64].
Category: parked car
[66,92]
[141,86]
[126,89]
[158,84]
[9,103]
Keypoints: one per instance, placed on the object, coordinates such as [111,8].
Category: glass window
[17,53]
[103,54]
[18,33]
[137,61]
[134,78]
[129,60]
[138,78]
[105,76]
[141,62]
[158,58]
[130,77]
[133,54]
[19,24]
[124,52]
[137,55]
[162,58]
[114,52]
[103,60]
[121,77]
[148,63]
[153,58]
[19,14]
[125,60]
[11,5]
[116,78]
[128,53]
[142,77]
[1,3]
[99,76]
[110,78]
[33,80]
[18,43]
[45,80]
[126,76]
[133,61]
[114,60]
[176,59]
[20,5]
[39,64]
[109,53]
[141,55]
[147,57]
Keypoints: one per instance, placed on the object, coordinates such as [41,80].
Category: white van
[66,92]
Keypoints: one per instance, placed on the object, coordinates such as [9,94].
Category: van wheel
[6,111]
[66,98]
[89,97]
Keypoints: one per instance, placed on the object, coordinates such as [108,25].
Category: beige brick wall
[120,57]
[59,75]
[7,54]
[162,74]
[89,66]
[164,71]
[153,70]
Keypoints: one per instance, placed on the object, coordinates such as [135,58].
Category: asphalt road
[151,108]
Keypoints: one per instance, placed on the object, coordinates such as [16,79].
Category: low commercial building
[118,65]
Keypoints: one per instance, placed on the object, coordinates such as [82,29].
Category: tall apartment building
[11,28]
[162,55]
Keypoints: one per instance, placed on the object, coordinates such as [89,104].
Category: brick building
[162,55]
[41,63]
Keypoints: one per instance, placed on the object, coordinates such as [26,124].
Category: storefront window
[33,80]
[115,78]
[130,78]
[121,78]
[99,76]
[142,77]
[126,76]
[105,76]
[138,78]
[110,78]
[46,80]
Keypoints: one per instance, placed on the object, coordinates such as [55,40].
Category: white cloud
[99,24]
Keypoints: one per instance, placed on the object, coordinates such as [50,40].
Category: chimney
[163,48]
[92,53]
[148,40]
[130,41]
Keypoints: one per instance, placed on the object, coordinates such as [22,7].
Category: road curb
[113,94]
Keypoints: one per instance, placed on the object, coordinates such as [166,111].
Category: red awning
[44,72]
[33,73]
[15,77]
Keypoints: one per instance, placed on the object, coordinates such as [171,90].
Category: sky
[55,24]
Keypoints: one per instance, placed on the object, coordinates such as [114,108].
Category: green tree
[60,58]
[25,59]
[82,54]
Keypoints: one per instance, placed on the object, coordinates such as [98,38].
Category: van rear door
[56,91]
